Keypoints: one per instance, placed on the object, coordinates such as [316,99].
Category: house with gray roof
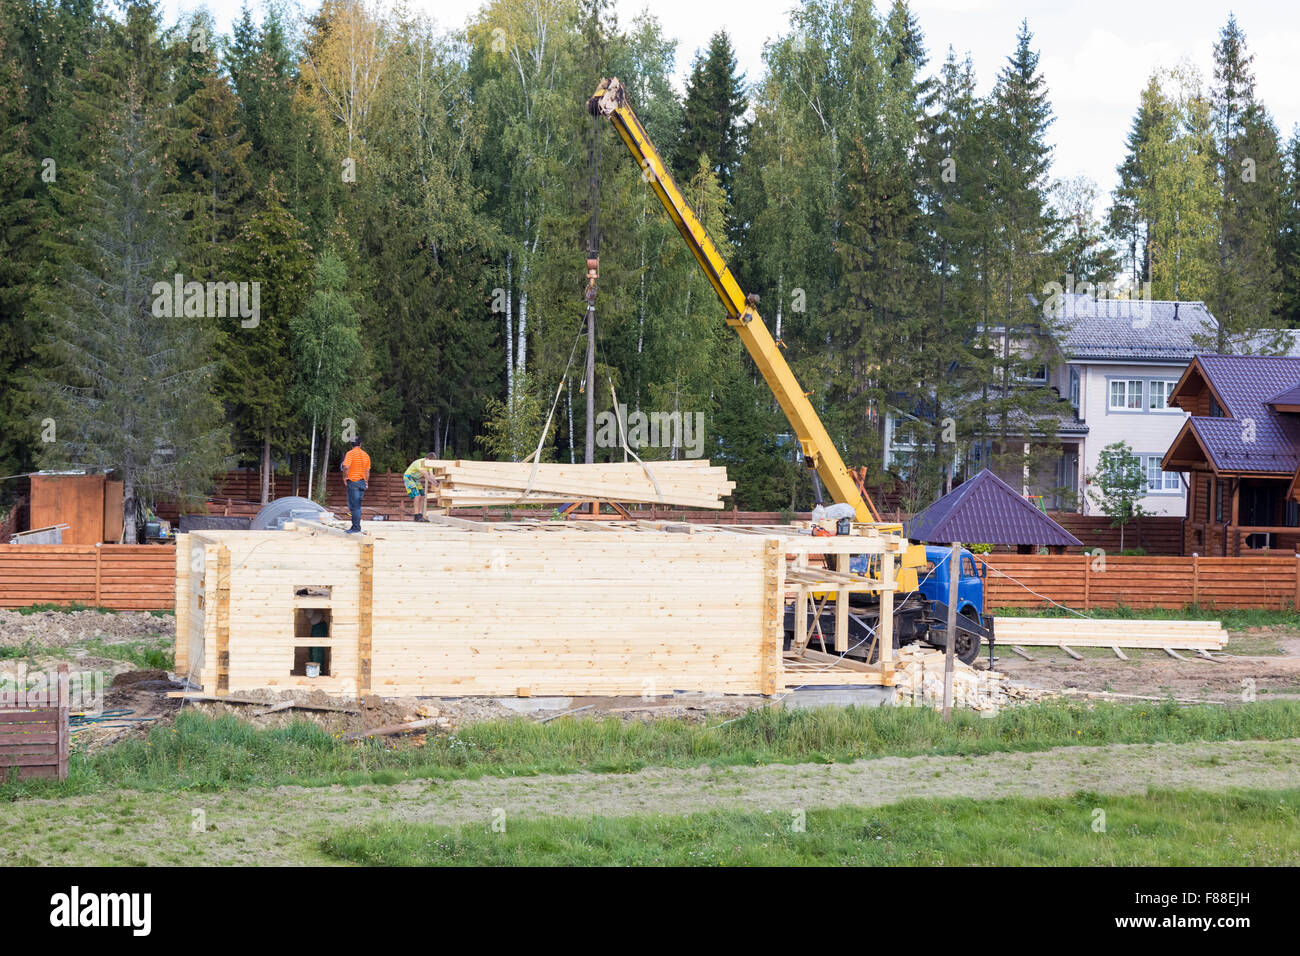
[1122,360]
[1113,365]
[1240,450]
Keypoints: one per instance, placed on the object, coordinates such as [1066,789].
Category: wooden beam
[447,521]
[223,620]
[365,617]
[182,647]
[773,617]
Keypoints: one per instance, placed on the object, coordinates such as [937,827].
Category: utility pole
[954,576]
[589,376]
[593,240]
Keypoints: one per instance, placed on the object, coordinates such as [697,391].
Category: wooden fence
[1155,534]
[1084,582]
[34,731]
[124,577]
[142,577]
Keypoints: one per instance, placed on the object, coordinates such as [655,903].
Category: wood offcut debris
[394,729]
[270,707]
[920,671]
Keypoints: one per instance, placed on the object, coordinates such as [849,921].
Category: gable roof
[1253,437]
[986,510]
[1119,329]
[1288,396]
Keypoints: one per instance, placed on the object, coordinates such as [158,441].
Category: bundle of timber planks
[691,483]
[1200,636]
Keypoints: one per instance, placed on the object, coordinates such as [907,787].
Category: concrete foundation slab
[812,697]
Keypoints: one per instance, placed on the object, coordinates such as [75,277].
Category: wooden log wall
[1086,583]
[419,610]
[246,602]
[503,613]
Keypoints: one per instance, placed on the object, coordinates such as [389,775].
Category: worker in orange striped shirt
[356,475]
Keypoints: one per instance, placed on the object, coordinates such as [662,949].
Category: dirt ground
[63,628]
[1269,676]
[1265,662]
[285,825]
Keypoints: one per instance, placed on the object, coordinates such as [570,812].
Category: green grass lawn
[76,606]
[1163,828]
[151,654]
[200,753]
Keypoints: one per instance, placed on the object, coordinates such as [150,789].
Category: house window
[902,444]
[1031,374]
[1074,389]
[1126,394]
[1159,481]
[1158,393]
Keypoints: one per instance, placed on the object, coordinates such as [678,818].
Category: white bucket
[313,669]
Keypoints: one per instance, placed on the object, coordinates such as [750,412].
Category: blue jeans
[356,489]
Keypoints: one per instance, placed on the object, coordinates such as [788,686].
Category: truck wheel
[967,646]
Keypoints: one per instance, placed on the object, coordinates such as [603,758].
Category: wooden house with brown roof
[1240,453]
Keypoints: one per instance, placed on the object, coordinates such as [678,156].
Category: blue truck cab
[921,615]
[970,585]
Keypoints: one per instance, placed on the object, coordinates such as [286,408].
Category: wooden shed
[90,506]
[509,609]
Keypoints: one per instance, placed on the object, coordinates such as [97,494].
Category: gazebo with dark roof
[986,510]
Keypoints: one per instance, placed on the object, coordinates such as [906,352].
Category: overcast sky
[1096,55]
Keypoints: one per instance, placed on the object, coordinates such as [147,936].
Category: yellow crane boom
[818,450]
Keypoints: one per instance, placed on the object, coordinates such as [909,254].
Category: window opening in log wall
[311,622]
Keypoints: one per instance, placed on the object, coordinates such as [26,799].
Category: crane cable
[536,456]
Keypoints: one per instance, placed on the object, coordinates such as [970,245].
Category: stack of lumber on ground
[920,683]
[1110,632]
[689,483]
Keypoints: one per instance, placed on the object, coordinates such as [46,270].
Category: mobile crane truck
[921,616]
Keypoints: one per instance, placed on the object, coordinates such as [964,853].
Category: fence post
[1295,601]
[1196,579]
[1087,582]
[64,732]
[99,552]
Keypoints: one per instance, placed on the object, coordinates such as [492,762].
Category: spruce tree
[129,381]
[19,182]
[213,166]
[271,250]
[1288,243]
[713,115]
[1243,293]
[1023,253]
[1126,222]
